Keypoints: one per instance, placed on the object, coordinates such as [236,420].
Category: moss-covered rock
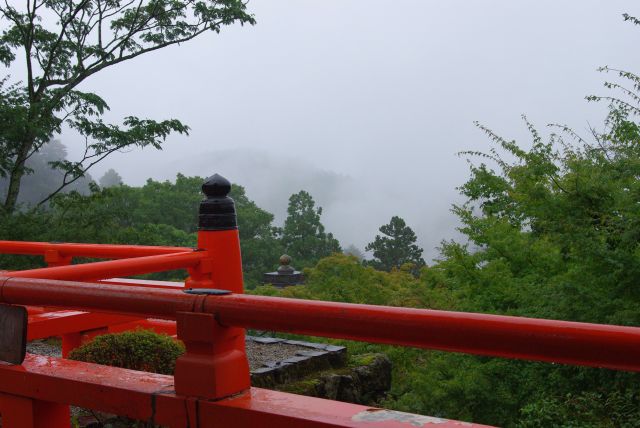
[365,380]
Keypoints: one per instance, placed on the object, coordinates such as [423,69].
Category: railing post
[23,412]
[215,363]
[54,258]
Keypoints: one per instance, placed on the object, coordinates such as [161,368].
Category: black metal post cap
[216,186]
[217,210]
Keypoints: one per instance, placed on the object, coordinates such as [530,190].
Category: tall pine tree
[304,236]
[396,247]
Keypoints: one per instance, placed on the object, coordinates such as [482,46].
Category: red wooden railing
[209,313]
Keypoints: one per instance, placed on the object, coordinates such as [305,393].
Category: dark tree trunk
[16,176]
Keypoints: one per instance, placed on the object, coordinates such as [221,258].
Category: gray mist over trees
[350,209]
[110,178]
[316,97]
[45,179]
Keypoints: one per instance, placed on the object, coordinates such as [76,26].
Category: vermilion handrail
[595,345]
[113,268]
[100,251]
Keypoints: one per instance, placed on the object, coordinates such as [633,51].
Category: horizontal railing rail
[595,345]
[98,251]
[113,268]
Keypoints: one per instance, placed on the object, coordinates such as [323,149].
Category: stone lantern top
[284,268]
[285,276]
[285,259]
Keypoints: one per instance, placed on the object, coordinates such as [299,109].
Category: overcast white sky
[366,103]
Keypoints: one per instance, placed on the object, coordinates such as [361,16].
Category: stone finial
[284,268]
[285,259]
[217,210]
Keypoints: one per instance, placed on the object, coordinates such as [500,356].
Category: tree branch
[56,45]
[90,71]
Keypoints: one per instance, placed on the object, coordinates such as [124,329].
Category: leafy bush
[137,350]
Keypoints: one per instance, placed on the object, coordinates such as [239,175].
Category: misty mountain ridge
[354,207]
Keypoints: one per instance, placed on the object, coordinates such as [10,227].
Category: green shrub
[608,409]
[137,350]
